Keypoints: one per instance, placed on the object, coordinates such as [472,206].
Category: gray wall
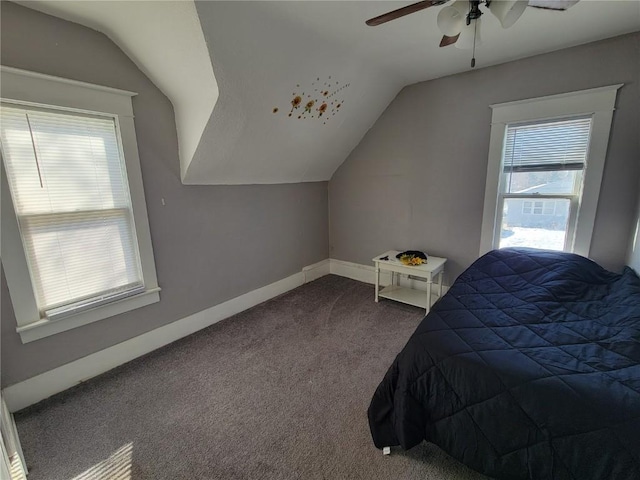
[417,178]
[210,243]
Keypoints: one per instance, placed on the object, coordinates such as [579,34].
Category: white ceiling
[260,51]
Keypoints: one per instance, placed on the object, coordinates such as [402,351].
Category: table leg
[440,283]
[429,284]
[377,281]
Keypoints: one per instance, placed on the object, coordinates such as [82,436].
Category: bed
[528,368]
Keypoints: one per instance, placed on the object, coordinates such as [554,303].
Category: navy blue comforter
[529,367]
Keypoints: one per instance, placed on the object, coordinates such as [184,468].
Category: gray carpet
[277,392]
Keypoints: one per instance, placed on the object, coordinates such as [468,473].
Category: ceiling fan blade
[401,12]
[448,40]
[553,4]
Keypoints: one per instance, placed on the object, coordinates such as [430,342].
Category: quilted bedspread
[528,368]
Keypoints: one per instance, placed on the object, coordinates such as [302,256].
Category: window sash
[574,203]
[52,149]
[60,220]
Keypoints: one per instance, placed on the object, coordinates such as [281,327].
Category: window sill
[44,328]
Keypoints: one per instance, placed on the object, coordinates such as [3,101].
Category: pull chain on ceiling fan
[460,22]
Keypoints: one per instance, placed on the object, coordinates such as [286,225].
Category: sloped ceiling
[166,42]
[232,70]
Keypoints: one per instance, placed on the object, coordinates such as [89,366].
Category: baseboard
[356,271]
[317,270]
[367,274]
[35,389]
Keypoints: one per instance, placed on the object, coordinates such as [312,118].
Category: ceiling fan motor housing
[474,11]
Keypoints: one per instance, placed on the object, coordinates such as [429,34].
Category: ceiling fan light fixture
[508,11]
[450,21]
[466,38]
[462,6]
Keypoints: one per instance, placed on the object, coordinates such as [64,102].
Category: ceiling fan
[460,22]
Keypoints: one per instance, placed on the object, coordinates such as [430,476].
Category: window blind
[547,146]
[70,192]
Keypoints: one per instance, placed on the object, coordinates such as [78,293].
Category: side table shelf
[417,298]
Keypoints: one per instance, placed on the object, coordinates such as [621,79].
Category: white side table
[427,271]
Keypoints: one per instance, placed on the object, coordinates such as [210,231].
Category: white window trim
[597,102]
[35,89]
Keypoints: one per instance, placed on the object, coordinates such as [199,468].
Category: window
[77,217]
[69,188]
[548,207]
[543,159]
[546,158]
[542,207]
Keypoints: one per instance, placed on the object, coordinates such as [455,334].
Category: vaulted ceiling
[233,71]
